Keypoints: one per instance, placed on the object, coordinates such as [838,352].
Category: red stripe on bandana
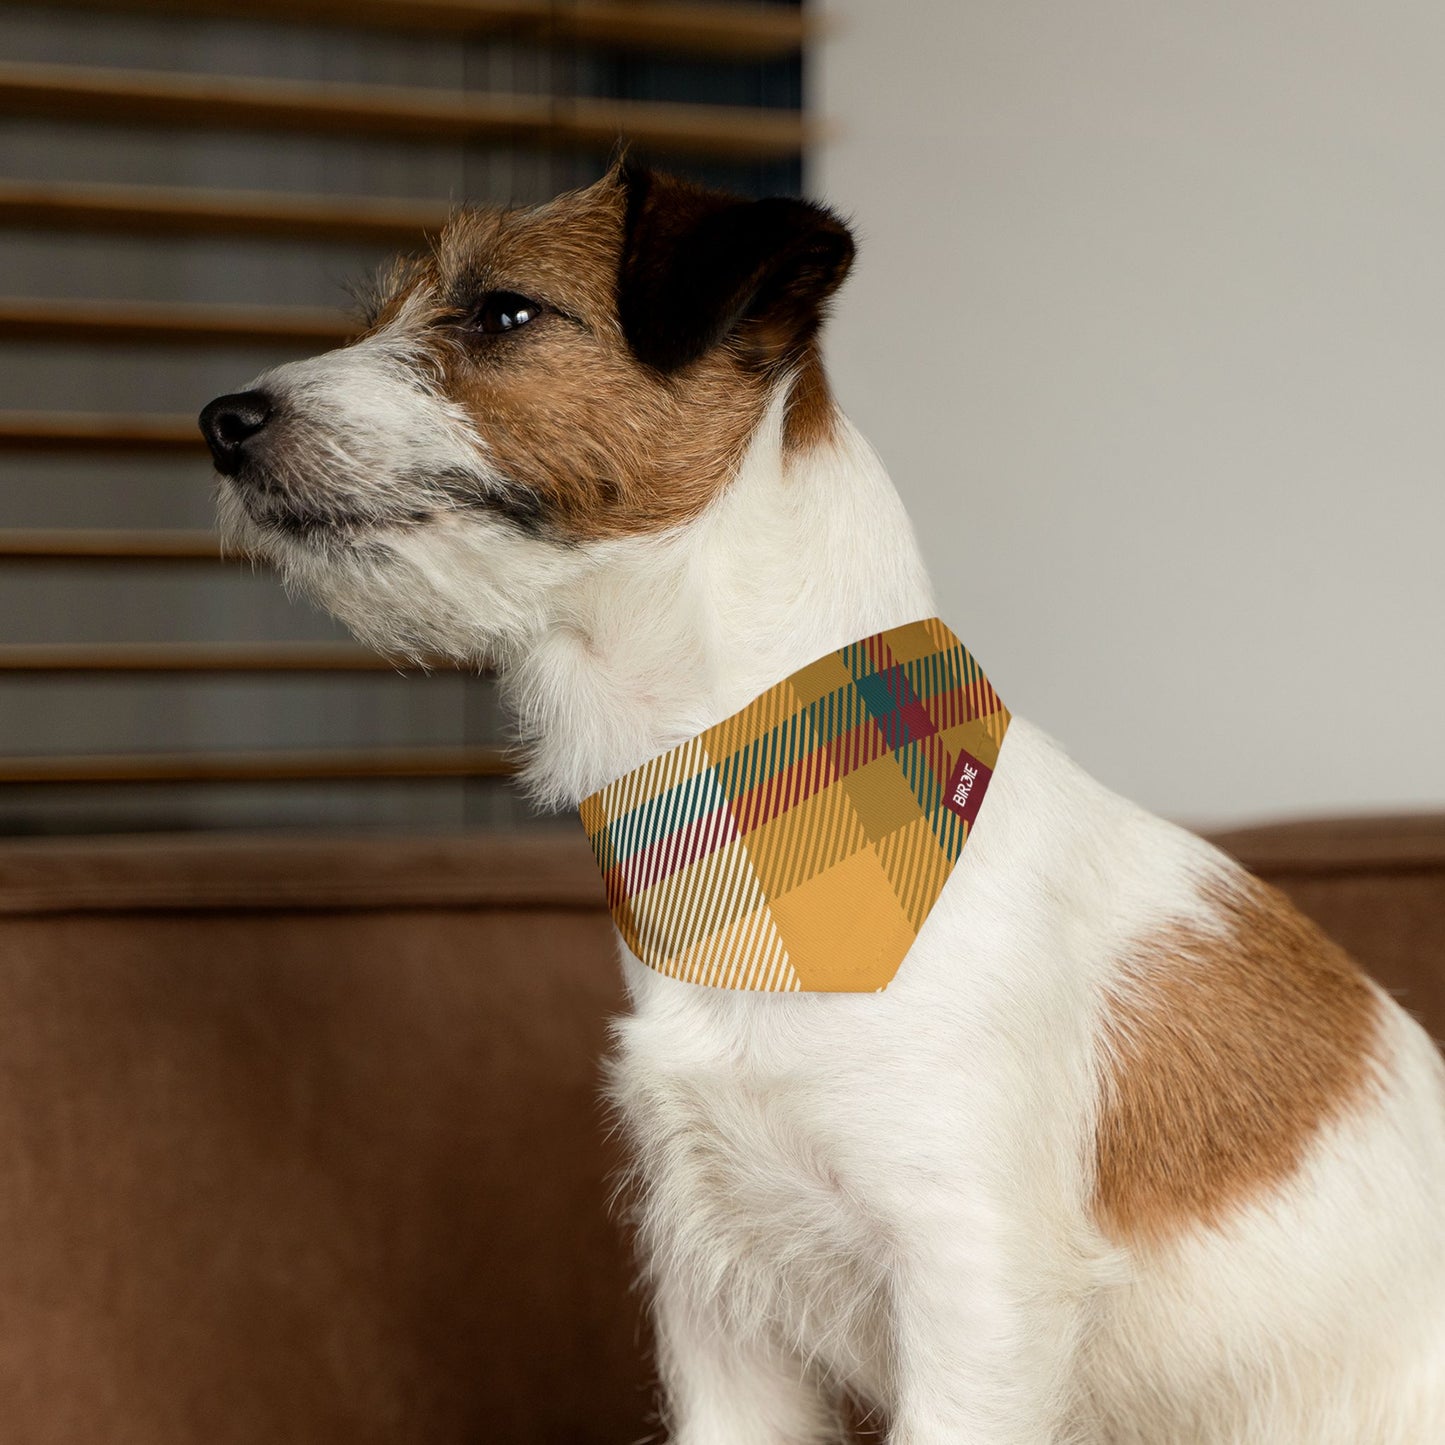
[795,784]
[676,850]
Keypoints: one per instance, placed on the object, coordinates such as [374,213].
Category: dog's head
[542,384]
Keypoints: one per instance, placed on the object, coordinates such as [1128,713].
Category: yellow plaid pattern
[801,843]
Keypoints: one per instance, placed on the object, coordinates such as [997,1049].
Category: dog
[1127,1153]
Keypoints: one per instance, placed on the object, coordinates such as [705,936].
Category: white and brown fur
[1128,1152]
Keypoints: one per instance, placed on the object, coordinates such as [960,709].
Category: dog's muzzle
[231,423]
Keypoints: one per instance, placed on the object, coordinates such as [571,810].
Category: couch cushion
[302,1143]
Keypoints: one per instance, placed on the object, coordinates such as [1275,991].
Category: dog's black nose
[229,422]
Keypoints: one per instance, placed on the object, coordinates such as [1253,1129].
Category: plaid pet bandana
[800,843]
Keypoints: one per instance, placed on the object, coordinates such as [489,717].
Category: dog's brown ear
[699,266]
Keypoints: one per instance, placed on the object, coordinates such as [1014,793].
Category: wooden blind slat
[79,431]
[83,544]
[172,211]
[218,102]
[92,321]
[187,657]
[762,32]
[755,32]
[172,323]
[271,766]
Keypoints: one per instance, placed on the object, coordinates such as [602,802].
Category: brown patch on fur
[596,442]
[812,417]
[605,445]
[1228,1052]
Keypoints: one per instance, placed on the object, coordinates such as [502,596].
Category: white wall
[1149,324]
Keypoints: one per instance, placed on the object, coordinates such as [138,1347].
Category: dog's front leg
[722,1387]
[984,1338]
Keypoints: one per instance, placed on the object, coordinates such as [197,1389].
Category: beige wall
[1149,323]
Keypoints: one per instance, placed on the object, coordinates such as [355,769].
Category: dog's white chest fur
[753,1192]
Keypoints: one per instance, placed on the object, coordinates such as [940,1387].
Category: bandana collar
[800,844]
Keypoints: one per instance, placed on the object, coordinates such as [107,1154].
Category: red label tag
[966,786]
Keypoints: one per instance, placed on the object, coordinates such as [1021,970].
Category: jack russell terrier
[1076,1135]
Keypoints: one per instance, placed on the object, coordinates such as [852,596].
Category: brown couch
[302,1141]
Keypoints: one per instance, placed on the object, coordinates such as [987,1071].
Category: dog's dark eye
[504,311]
